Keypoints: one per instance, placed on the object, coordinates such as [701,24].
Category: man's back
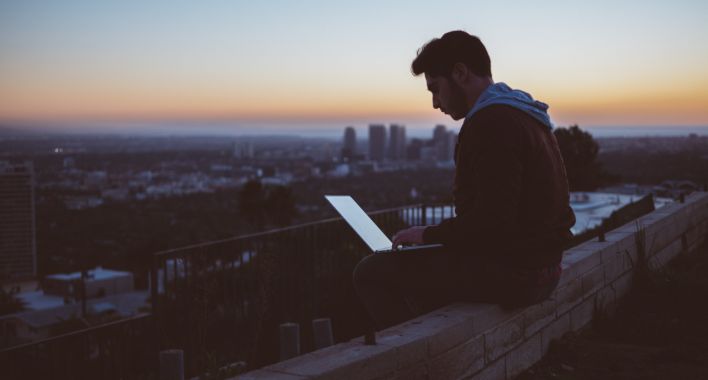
[511,191]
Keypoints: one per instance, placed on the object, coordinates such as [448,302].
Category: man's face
[448,96]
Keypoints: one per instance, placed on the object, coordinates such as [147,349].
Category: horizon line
[328,132]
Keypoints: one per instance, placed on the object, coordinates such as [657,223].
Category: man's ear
[460,73]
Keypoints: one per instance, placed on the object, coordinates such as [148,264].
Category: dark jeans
[395,287]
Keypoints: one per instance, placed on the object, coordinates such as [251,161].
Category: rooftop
[97,274]
[125,304]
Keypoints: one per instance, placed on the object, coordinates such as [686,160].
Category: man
[513,218]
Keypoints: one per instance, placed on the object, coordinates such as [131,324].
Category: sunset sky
[595,62]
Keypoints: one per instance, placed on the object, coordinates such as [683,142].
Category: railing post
[289,340]
[424,215]
[322,330]
[172,365]
[154,284]
[370,338]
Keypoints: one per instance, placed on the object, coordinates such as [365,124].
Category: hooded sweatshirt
[510,191]
[500,93]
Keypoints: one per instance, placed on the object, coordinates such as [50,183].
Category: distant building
[349,144]
[377,142]
[328,152]
[221,168]
[42,323]
[439,132]
[449,150]
[675,188]
[591,208]
[82,202]
[69,163]
[439,142]
[18,252]
[397,142]
[244,150]
[99,282]
[413,150]
[428,154]
[269,171]
[96,179]
[120,194]
[341,170]
[444,143]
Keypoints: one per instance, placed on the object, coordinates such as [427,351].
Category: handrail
[246,287]
[77,332]
[277,230]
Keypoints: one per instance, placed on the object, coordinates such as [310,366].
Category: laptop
[367,230]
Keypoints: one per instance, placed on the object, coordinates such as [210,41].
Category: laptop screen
[360,222]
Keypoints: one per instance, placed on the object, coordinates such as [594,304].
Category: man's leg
[385,282]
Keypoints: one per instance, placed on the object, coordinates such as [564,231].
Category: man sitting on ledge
[512,214]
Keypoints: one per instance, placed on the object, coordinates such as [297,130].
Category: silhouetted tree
[579,151]
[280,205]
[252,203]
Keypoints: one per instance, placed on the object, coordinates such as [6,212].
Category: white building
[99,282]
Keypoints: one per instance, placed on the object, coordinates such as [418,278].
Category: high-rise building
[349,145]
[413,150]
[243,149]
[451,141]
[397,142]
[441,143]
[377,142]
[439,132]
[18,254]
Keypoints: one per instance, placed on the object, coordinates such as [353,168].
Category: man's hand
[413,235]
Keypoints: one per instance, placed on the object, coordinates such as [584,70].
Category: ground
[659,331]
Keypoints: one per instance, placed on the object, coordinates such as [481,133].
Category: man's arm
[412,235]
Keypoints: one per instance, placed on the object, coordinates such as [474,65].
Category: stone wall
[481,341]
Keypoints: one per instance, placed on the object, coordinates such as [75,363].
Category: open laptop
[367,230]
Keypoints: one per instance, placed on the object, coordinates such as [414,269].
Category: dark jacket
[510,191]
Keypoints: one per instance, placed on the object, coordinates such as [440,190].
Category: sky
[618,63]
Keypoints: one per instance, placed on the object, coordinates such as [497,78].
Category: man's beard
[458,106]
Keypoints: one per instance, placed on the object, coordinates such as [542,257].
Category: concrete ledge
[477,341]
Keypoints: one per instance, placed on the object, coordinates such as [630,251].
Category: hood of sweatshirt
[500,93]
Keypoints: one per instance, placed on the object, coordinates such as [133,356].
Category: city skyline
[599,64]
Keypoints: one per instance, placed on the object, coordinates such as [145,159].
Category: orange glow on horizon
[684,104]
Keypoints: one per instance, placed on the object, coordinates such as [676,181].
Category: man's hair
[438,56]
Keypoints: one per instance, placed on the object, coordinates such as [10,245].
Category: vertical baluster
[175,276]
[172,365]
[153,282]
[317,257]
[322,333]
[306,280]
[239,273]
[164,279]
[225,290]
[291,275]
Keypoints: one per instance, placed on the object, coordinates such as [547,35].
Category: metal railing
[222,301]
[125,349]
